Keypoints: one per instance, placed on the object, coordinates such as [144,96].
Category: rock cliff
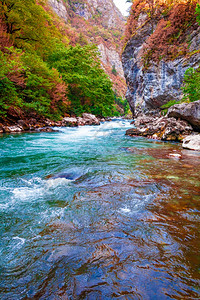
[60,9]
[162,42]
[100,22]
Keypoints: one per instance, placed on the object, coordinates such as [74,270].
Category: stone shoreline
[34,125]
[166,129]
[181,124]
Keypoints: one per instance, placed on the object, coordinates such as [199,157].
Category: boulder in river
[90,119]
[86,119]
[192,142]
[69,121]
[12,129]
[187,111]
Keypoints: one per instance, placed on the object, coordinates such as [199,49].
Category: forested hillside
[48,68]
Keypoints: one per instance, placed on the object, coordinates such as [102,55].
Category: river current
[89,213]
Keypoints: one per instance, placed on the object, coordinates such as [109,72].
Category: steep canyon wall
[162,42]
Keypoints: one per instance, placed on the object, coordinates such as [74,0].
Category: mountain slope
[99,22]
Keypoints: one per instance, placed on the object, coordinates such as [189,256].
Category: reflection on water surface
[126,227]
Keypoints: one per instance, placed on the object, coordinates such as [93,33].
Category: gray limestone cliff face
[161,82]
[109,56]
[60,8]
[88,9]
[106,9]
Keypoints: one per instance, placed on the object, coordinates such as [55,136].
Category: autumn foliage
[31,81]
[171,23]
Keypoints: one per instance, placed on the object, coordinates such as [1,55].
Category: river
[89,213]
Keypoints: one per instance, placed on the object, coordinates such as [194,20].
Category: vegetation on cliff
[191,84]
[172,23]
[168,31]
[191,87]
[45,67]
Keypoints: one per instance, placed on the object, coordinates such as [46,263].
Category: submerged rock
[104,254]
[192,142]
[187,111]
[175,155]
[161,128]
[65,175]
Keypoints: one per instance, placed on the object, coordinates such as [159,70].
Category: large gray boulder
[189,112]
[70,121]
[86,119]
[192,142]
[90,119]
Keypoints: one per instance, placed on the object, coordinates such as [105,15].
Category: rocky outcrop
[109,56]
[154,72]
[187,111]
[161,128]
[60,8]
[192,142]
[111,16]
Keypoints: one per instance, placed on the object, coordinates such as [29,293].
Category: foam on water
[92,131]
[27,193]
[125,210]
[77,132]
[55,182]
[20,241]
[33,190]
[4,206]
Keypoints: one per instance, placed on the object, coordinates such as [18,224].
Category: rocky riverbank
[33,124]
[160,128]
[181,124]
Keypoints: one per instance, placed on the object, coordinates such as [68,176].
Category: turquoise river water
[89,213]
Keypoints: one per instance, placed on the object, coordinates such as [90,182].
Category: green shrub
[191,85]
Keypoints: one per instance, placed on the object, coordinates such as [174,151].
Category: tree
[89,88]
[198,13]
[191,86]
[28,25]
